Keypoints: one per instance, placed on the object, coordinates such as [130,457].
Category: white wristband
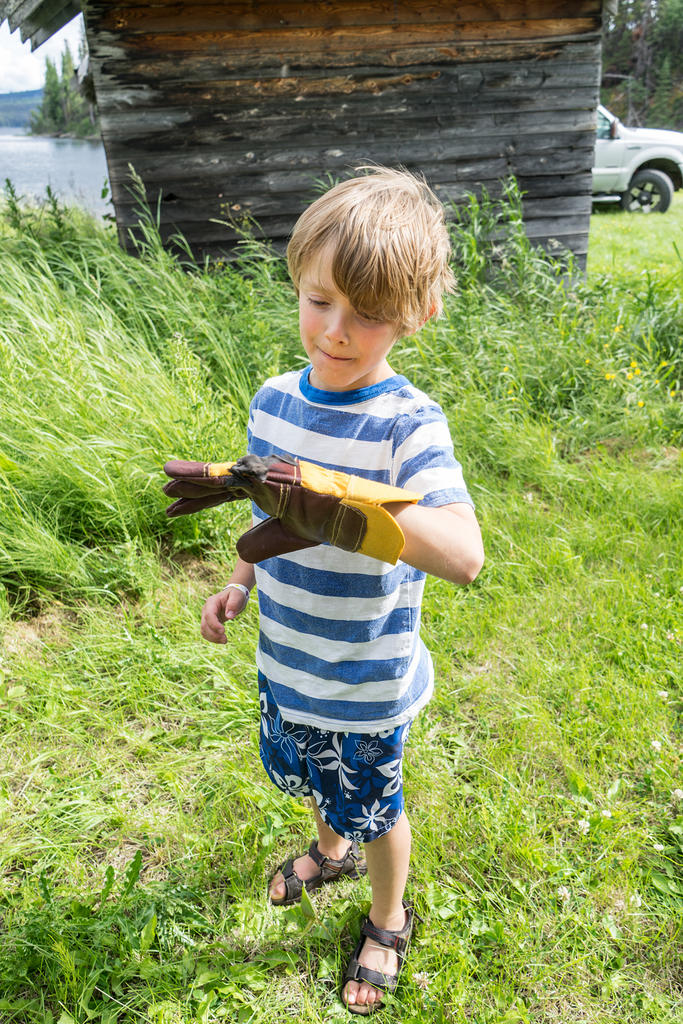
[238,586]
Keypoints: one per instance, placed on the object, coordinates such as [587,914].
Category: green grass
[543,781]
[627,244]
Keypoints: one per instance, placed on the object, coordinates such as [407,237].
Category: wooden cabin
[241,109]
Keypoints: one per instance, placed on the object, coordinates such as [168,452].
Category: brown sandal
[398,941]
[350,865]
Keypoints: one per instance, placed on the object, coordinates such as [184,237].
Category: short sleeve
[250,427]
[254,407]
[424,461]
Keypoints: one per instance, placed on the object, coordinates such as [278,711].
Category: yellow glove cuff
[218,468]
[384,538]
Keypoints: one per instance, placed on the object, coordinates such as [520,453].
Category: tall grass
[109,364]
[590,359]
[543,780]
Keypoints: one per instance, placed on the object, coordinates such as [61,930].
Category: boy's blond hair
[389,241]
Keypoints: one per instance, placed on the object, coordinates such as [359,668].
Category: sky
[20,69]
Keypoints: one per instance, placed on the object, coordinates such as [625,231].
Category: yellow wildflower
[629,376]
[636,372]
[641,404]
[505,369]
[633,364]
[619,327]
[587,362]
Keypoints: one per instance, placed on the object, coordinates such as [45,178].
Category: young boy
[342,670]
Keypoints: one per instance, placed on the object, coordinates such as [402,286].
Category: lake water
[76,170]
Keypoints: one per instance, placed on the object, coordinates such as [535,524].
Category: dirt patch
[27,638]
[187,564]
[154,861]
[660,457]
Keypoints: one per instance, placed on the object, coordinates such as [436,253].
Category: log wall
[234,109]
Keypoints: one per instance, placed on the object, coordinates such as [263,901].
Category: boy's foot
[304,868]
[376,963]
[314,869]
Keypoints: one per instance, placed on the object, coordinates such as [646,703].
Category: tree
[643,61]
[66,86]
[668,34]
[48,118]
[64,109]
[661,108]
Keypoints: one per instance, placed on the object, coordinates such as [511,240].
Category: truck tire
[650,191]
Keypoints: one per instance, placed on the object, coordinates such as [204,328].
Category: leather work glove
[307,505]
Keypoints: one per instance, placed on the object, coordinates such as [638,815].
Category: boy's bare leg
[387,858]
[329,844]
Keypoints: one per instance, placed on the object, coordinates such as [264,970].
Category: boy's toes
[350,993]
[278,889]
[372,995]
[361,995]
[368,996]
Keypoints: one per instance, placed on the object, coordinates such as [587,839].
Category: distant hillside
[15,107]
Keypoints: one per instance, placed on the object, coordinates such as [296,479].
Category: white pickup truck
[637,167]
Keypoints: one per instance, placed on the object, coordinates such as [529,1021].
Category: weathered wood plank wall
[237,108]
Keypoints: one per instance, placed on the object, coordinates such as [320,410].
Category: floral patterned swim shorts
[355,778]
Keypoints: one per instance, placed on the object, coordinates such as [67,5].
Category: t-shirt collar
[347,397]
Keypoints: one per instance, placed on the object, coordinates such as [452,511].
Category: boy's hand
[220,608]
[307,505]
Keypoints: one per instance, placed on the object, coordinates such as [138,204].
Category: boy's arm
[444,541]
[226,604]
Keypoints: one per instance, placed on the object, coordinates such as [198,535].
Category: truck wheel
[650,191]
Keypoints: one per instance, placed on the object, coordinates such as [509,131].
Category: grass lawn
[626,245]
[543,781]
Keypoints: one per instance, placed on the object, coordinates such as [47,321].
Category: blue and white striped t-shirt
[339,632]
